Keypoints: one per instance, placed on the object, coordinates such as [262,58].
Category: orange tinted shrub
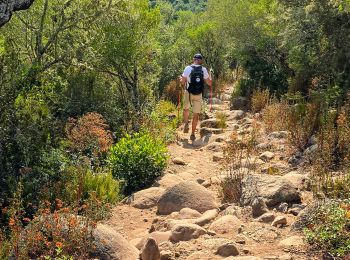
[89,133]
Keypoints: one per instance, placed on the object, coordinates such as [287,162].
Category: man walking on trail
[193,79]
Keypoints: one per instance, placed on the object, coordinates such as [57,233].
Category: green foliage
[163,121]
[104,185]
[137,160]
[330,229]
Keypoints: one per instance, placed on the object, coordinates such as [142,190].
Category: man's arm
[209,82]
[183,80]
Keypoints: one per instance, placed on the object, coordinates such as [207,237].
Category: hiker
[193,79]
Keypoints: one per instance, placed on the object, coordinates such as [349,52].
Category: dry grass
[259,100]
[172,92]
[300,120]
[239,161]
[222,118]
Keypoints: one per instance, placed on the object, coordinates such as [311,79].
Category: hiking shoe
[192,137]
[186,128]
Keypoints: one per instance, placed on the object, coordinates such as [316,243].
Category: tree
[7,7]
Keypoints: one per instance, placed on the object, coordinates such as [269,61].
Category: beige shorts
[196,102]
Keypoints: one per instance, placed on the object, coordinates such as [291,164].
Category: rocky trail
[182,216]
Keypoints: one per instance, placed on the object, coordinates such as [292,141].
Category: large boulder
[186,195]
[228,224]
[150,250]
[145,199]
[239,103]
[185,232]
[273,189]
[111,245]
[300,181]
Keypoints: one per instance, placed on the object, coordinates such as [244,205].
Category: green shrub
[138,160]
[330,230]
[163,121]
[103,185]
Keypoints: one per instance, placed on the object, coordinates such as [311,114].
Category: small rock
[200,180]
[283,207]
[239,103]
[266,218]
[206,217]
[294,211]
[226,225]
[278,135]
[166,255]
[215,147]
[217,157]
[227,249]
[279,221]
[145,199]
[236,115]
[259,207]
[206,184]
[179,161]
[267,156]
[210,131]
[210,123]
[286,257]
[150,250]
[264,146]
[215,101]
[293,241]
[187,213]
[246,250]
[185,232]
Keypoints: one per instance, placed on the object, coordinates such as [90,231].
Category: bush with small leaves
[137,160]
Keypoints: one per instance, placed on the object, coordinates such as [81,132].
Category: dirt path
[201,162]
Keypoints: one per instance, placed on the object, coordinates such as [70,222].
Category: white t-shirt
[188,70]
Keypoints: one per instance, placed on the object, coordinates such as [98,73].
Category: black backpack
[196,86]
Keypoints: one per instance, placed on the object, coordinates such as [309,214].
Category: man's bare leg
[194,125]
[186,115]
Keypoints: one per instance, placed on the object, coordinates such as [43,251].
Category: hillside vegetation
[82,81]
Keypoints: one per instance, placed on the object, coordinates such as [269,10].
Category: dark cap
[198,56]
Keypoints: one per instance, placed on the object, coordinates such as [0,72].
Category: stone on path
[206,217]
[259,207]
[145,199]
[267,156]
[186,195]
[279,221]
[228,224]
[293,241]
[185,232]
[187,213]
[300,181]
[179,161]
[208,131]
[111,245]
[273,189]
[210,123]
[227,249]
[239,103]
[217,157]
[266,218]
[150,250]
